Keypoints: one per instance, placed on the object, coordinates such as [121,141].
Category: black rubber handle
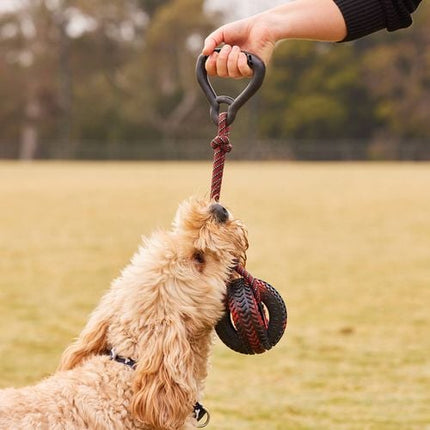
[234,104]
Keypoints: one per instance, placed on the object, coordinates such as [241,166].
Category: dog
[142,358]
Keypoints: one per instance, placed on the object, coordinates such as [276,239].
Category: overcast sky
[6,5]
[236,9]
[242,8]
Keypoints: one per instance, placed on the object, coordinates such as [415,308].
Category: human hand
[251,34]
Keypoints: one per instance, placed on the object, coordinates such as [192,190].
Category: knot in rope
[221,146]
[221,143]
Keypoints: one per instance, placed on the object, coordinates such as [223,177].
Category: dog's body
[94,395]
[160,313]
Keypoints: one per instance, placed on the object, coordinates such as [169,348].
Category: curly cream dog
[158,315]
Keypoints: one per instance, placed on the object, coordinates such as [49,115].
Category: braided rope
[221,146]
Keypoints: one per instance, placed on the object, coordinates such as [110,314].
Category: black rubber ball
[251,326]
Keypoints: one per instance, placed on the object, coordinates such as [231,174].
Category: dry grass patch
[347,245]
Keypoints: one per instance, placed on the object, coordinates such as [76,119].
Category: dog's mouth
[241,244]
[241,261]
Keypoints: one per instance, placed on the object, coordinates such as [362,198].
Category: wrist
[277,23]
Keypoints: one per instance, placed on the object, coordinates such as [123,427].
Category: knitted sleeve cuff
[365,17]
[361,18]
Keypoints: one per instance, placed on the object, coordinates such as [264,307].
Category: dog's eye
[199,257]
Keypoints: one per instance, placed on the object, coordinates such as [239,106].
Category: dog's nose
[220,213]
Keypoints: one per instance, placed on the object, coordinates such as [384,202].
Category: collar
[120,359]
[199,411]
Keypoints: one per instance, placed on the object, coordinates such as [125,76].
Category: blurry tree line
[122,71]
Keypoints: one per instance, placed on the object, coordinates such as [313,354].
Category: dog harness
[199,411]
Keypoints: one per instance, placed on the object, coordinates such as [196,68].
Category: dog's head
[162,309]
[216,240]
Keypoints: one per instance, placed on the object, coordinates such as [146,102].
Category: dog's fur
[161,313]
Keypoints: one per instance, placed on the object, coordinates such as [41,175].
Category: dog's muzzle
[220,213]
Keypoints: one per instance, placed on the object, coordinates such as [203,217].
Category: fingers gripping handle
[234,104]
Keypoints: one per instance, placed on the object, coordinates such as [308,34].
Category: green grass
[347,245]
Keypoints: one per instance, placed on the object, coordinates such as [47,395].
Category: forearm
[324,20]
[336,20]
[299,19]
[305,19]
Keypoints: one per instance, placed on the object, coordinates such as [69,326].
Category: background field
[347,245]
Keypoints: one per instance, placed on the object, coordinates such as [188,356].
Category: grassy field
[347,245]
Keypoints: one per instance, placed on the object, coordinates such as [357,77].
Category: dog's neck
[135,346]
[200,413]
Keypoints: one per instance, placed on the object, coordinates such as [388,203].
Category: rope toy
[255,315]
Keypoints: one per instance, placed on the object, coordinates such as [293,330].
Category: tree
[164,74]
[397,71]
[28,46]
[314,91]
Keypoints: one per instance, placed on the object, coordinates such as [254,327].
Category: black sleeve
[363,17]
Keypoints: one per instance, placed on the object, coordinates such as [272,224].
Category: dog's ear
[92,340]
[164,385]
